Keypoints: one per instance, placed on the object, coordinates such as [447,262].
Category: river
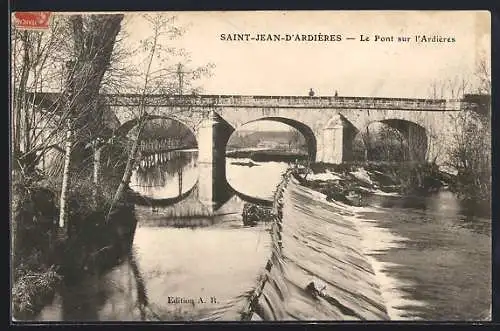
[431,257]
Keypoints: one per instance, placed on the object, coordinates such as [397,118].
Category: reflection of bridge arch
[191,205]
[248,198]
[304,129]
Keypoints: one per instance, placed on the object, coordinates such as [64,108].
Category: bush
[32,290]
[41,257]
[470,155]
[253,213]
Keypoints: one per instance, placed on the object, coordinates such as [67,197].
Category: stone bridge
[329,124]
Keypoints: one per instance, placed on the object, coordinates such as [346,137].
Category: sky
[350,67]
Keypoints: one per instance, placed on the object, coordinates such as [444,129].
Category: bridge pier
[332,147]
[417,142]
[212,135]
[336,141]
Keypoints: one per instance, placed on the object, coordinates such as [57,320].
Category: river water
[432,258]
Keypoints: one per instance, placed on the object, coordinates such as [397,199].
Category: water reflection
[166,175]
[258,181]
[172,174]
[441,206]
[217,264]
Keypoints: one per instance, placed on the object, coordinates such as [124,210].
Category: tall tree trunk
[65,184]
[94,40]
[20,101]
[142,296]
[127,174]
[97,171]
[367,145]
[16,116]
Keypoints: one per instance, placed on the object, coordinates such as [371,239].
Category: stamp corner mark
[32,20]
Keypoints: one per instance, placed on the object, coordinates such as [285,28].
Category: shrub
[32,290]
[470,155]
[253,213]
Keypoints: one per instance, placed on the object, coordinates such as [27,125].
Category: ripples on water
[166,175]
[432,256]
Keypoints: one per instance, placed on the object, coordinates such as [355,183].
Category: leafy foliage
[470,155]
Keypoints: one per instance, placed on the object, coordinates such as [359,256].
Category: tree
[470,155]
[392,144]
[482,73]
[157,54]
[469,151]
[39,63]
[94,38]
[73,55]
[366,137]
[295,139]
[35,58]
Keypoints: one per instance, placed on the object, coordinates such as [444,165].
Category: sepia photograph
[250,166]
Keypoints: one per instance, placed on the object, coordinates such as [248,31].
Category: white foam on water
[391,194]
[377,240]
[323,176]
[362,175]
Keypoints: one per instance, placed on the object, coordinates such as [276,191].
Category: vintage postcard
[251,166]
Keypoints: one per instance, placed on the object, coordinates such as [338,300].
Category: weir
[317,270]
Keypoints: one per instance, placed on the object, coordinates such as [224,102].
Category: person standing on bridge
[311,92]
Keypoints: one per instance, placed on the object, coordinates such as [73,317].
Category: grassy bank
[43,256]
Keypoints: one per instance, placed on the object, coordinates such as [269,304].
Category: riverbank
[348,183]
[267,155]
[44,257]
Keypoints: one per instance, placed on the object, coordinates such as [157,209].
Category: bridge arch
[161,171]
[304,129]
[238,170]
[415,136]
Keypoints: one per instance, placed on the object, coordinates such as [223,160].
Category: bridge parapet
[249,101]
[286,102]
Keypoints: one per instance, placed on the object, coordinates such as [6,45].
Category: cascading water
[318,270]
